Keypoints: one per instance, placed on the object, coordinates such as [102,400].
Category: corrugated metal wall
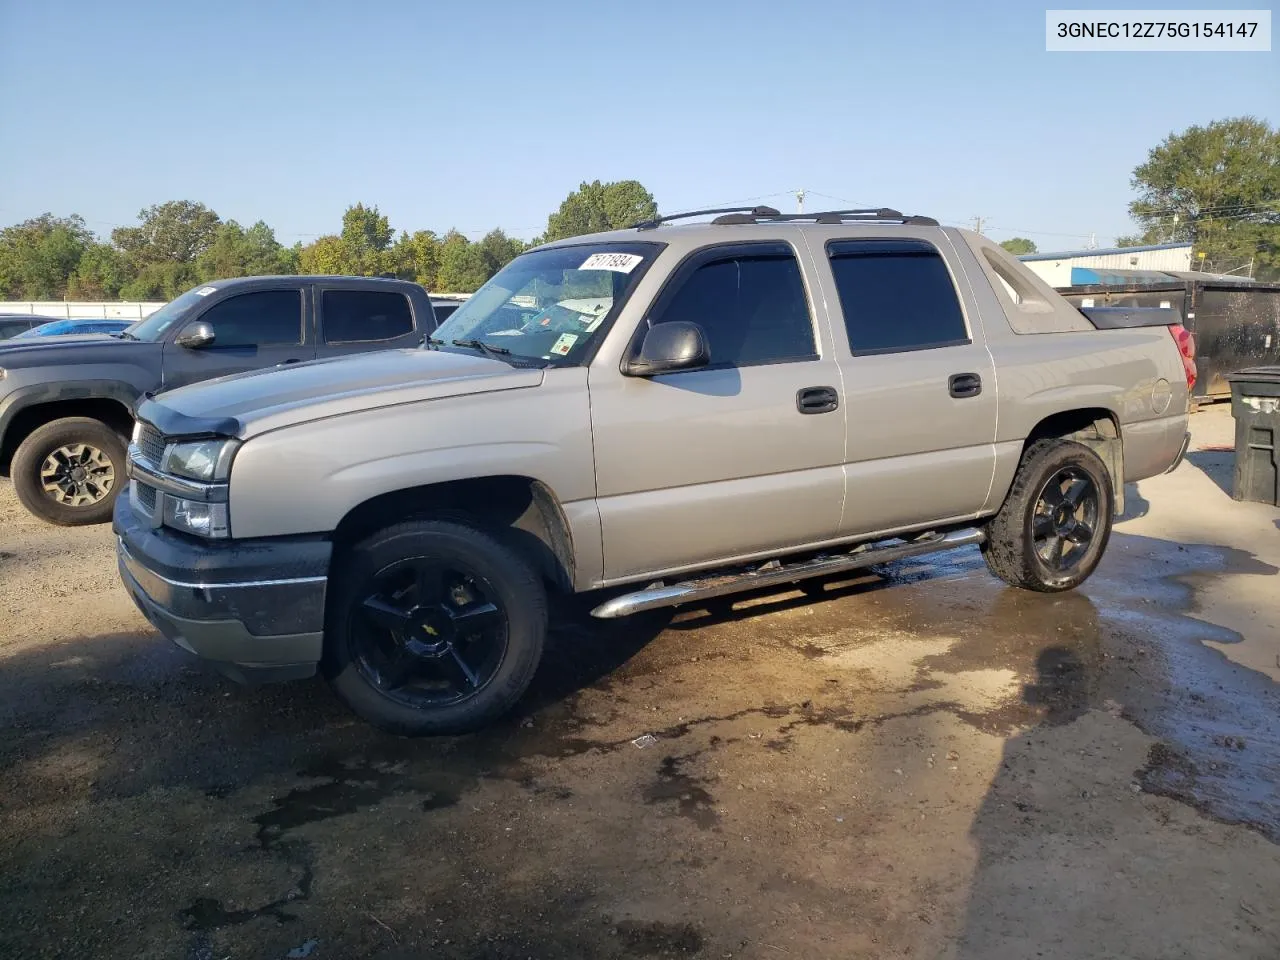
[1057,272]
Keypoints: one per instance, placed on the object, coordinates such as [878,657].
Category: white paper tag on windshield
[564,344]
[205,291]
[617,262]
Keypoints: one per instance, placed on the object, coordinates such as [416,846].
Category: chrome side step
[775,573]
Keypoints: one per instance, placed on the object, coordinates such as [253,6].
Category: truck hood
[248,404]
[69,348]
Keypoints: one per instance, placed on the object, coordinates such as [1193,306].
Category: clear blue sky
[482,114]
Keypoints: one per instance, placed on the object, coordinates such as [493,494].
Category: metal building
[1057,269]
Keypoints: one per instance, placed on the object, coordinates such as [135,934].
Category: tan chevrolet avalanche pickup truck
[660,415]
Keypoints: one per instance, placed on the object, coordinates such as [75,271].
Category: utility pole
[800,200]
[977,224]
[1093,242]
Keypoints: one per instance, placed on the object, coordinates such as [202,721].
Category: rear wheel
[434,628]
[1054,526]
[70,471]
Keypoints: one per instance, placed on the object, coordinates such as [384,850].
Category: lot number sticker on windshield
[617,262]
[564,344]
[205,291]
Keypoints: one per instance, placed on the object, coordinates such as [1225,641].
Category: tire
[1023,536]
[53,454]
[416,652]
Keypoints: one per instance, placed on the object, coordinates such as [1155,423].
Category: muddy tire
[433,627]
[70,471]
[1054,526]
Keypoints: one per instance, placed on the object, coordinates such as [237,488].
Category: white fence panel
[84,310]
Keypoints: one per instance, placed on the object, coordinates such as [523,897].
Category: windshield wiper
[487,349]
[433,342]
[124,335]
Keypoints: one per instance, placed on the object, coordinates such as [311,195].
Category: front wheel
[1054,526]
[434,628]
[70,471]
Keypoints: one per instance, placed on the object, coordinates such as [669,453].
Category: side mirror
[667,347]
[195,335]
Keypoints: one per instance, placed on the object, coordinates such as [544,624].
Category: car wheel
[1055,523]
[433,627]
[70,471]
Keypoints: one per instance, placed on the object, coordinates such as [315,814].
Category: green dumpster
[1255,404]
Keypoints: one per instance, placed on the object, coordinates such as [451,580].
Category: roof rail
[753,211]
[865,215]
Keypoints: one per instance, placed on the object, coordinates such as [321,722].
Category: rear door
[252,330]
[737,458]
[356,320]
[920,384]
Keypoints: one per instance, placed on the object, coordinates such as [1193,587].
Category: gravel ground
[920,762]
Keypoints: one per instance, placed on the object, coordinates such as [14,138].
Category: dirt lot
[919,763]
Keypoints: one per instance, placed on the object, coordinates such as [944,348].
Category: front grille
[151,445]
[146,496]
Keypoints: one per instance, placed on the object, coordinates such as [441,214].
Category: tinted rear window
[362,316]
[895,295]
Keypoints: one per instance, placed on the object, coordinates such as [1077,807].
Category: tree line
[1216,186]
[179,244]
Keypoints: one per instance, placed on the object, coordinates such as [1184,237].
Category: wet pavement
[915,762]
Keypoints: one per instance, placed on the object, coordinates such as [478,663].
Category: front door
[720,462]
[251,331]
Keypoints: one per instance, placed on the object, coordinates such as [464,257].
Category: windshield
[157,324]
[549,304]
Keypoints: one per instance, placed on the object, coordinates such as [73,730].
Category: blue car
[58,328]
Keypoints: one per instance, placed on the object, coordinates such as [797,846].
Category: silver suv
[661,414]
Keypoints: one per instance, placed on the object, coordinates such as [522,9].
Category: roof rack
[751,211]
[864,215]
[742,215]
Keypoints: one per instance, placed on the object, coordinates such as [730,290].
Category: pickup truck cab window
[552,306]
[749,299]
[364,316]
[256,319]
[896,295]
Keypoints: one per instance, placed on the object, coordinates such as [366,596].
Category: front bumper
[255,608]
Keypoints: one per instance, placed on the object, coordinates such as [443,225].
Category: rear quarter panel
[1134,374]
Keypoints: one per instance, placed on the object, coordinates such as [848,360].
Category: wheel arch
[114,408]
[522,512]
[1095,427]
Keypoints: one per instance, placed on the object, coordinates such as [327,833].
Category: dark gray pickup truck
[67,403]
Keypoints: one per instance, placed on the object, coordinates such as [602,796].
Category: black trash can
[1255,404]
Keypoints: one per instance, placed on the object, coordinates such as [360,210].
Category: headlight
[196,517]
[205,460]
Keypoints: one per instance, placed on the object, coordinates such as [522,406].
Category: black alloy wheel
[1065,518]
[428,634]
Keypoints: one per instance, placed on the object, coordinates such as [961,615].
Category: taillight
[1187,348]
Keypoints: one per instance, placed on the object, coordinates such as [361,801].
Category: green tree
[1217,186]
[367,234]
[600,206]
[237,252]
[326,255]
[498,250]
[1019,246]
[417,257]
[99,275]
[38,256]
[178,231]
[463,267]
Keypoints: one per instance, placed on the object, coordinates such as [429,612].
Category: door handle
[961,385]
[817,399]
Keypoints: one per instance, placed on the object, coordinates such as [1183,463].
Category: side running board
[775,573]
